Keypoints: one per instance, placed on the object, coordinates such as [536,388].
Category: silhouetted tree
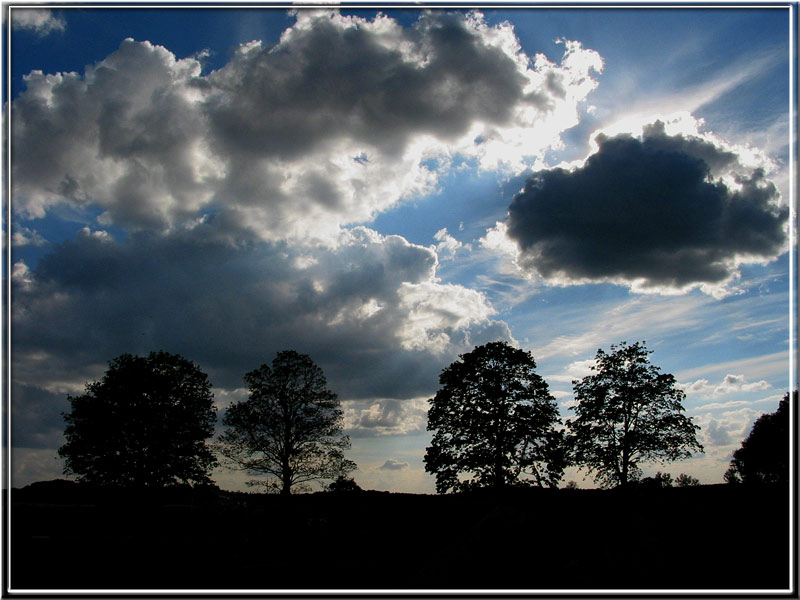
[663,479]
[495,419]
[143,424]
[343,484]
[684,480]
[626,413]
[289,427]
[764,455]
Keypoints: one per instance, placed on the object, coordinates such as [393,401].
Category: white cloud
[729,385]
[448,245]
[772,365]
[40,20]
[382,417]
[574,371]
[24,236]
[638,317]
[496,239]
[441,314]
[265,145]
[724,430]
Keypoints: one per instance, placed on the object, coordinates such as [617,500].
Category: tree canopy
[494,421]
[289,428]
[764,456]
[628,412]
[143,424]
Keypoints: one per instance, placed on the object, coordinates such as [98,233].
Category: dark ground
[64,535]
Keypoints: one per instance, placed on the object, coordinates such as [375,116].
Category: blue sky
[384,192]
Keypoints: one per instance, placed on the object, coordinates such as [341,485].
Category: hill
[68,536]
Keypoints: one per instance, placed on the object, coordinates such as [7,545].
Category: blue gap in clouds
[93,33]
[468,196]
[61,223]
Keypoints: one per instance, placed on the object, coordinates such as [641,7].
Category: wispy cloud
[637,317]
[768,365]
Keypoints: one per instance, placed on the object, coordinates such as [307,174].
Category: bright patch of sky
[381,192]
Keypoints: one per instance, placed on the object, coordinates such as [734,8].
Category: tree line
[148,421]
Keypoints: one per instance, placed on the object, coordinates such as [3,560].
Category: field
[65,536]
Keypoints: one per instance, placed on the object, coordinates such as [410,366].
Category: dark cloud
[393,465]
[380,85]
[231,308]
[654,210]
[37,420]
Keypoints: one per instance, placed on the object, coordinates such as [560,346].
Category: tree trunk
[286,478]
[625,460]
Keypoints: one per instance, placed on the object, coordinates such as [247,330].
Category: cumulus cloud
[717,435]
[497,240]
[660,212]
[336,122]
[729,385]
[42,21]
[725,428]
[386,417]
[393,465]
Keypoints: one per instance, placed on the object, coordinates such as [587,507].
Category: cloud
[393,465]
[37,420]
[386,417]
[726,428]
[41,21]
[729,385]
[773,365]
[717,435]
[24,236]
[574,371]
[370,312]
[497,240]
[335,123]
[448,245]
[659,213]
[640,316]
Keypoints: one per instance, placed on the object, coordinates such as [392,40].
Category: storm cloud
[660,211]
[370,312]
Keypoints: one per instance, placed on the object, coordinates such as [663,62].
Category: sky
[384,190]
